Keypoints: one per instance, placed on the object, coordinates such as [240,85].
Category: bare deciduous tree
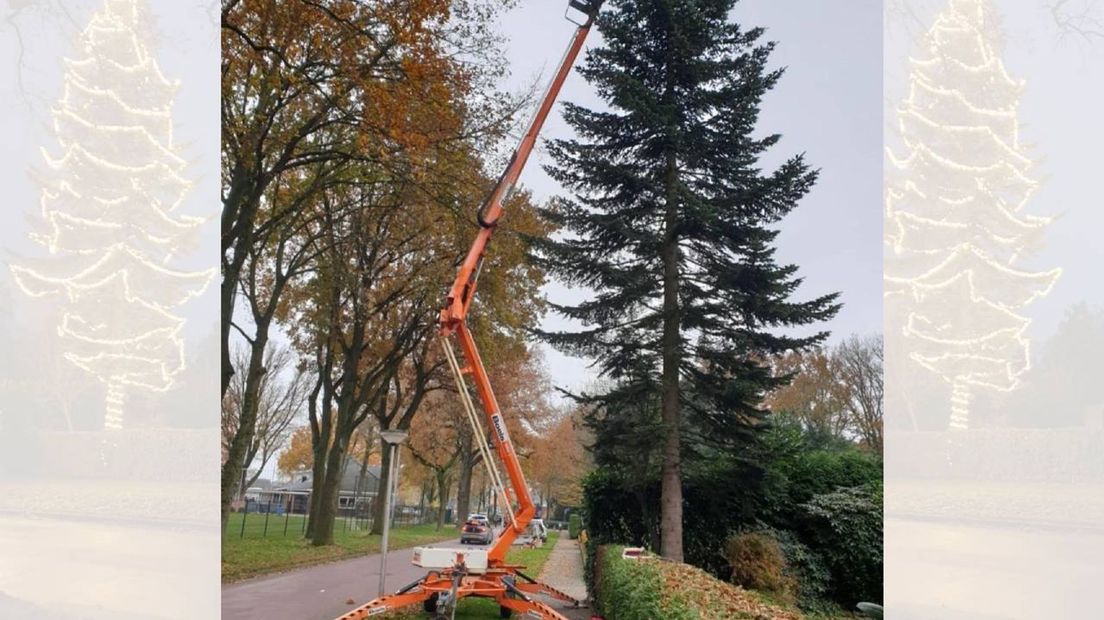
[835,391]
[859,360]
[281,394]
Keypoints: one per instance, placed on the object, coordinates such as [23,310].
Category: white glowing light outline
[964,257]
[132,350]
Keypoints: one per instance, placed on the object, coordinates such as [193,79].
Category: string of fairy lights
[953,229]
[110,232]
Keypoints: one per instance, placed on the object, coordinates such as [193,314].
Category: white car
[480,517]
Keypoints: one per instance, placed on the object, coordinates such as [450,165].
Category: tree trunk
[320,452]
[442,498]
[464,481]
[369,440]
[671,472]
[227,315]
[323,530]
[235,456]
[239,212]
[422,504]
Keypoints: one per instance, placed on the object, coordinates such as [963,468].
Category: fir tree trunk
[113,405]
[960,406]
[671,472]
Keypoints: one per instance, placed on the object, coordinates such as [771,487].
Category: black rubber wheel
[430,604]
[505,612]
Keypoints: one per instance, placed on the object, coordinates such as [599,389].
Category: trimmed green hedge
[633,589]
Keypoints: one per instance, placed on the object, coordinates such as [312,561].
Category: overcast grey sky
[829,105]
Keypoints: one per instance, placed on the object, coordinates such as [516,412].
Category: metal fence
[262,520]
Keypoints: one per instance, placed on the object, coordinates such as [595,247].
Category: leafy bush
[783,487]
[758,563]
[802,573]
[807,568]
[619,510]
[824,471]
[845,528]
[797,478]
[574,526]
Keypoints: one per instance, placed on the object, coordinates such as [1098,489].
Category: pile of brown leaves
[717,599]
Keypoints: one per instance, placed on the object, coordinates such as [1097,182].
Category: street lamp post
[393,438]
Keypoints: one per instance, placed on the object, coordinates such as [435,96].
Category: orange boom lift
[459,573]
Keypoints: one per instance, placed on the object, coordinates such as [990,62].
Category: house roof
[301,481]
[262,484]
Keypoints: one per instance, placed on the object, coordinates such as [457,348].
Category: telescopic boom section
[455,313]
[460,295]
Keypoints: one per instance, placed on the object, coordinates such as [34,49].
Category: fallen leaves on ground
[715,598]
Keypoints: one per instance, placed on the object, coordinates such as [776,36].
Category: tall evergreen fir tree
[671,221]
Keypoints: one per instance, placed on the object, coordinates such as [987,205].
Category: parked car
[476,533]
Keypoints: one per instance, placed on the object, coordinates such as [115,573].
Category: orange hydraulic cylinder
[526,509]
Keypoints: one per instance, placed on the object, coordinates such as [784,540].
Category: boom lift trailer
[459,573]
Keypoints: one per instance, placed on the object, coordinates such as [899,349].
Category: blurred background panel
[994,308]
[108,407]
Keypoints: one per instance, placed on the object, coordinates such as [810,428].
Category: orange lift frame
[512,589]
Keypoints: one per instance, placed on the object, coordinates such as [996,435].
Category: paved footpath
[319,592]
[564,571]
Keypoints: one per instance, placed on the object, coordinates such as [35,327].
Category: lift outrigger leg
[459,573]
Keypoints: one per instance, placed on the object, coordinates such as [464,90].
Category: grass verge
[249,557]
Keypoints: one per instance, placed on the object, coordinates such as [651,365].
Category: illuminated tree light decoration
[107,215]
[954,230]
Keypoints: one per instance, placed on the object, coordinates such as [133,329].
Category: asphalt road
[990,571]
[97,569]
[320,592]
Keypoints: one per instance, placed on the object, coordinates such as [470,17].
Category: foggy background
[1001,518]
[93,523]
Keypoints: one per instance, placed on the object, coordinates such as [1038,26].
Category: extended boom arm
[458,302]
[460,573]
